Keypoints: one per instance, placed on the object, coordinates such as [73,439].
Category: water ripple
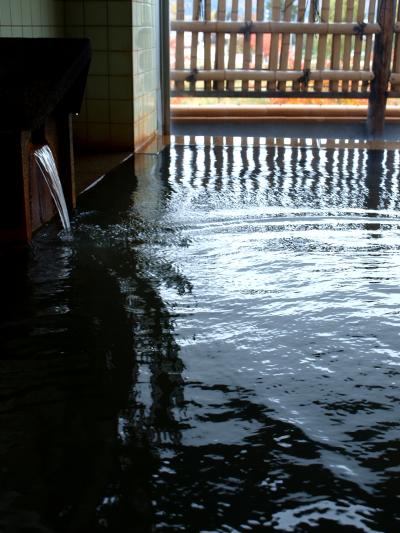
[289,336]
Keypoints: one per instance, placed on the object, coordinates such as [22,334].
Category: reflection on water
[215,349]
[292,142]
[82,315]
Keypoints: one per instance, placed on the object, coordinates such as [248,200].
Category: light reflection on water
[289,338]
[218,348]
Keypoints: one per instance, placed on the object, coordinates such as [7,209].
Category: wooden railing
[286,48]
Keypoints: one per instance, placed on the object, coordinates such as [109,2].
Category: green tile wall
[31,18]
[106,120]
[120,104]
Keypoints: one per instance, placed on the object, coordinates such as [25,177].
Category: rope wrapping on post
[247,28]
[305,78]
[359,29]
[193,75]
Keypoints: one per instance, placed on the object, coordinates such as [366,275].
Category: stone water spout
[42,82]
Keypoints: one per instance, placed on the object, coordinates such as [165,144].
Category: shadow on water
[73,456]
[103,428]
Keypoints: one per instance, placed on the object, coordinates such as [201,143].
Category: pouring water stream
[45,160]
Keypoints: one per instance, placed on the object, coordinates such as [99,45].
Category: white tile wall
[145,83]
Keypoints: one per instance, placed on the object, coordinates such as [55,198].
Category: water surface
[215,349]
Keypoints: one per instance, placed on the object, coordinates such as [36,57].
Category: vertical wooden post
[358,44]
[336,45]
[195,42]
[396,58]
[308,54]
[381,68]
[274,46]
[322,42]
[283,61]
[347,49]
[248,12]
[207,43]
[368,44]
[298,54]
[180,44]
[220,45]
[259,42]
[232,45]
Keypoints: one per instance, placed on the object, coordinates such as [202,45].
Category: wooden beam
[274,27]
[272,75]
[276,94]
[381,68]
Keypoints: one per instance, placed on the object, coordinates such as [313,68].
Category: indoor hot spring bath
[213,348]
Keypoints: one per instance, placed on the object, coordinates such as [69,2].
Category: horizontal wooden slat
[273,75]
[334,28]
[279,94]
[304,68]
[274,110]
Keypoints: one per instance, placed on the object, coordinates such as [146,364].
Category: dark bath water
[216,349]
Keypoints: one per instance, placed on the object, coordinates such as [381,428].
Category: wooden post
[180,44]
[396,58]
[381,68]
[309,42]
[233,44]
[396,55]
[246,41]
[207,43]
[298,54]
[220,45]
[368,43]
[322,41]
[195,42]
[274,46]
[15,213]
[336,45]
[358,43]
[283,62]
[259,42]
[347,49]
